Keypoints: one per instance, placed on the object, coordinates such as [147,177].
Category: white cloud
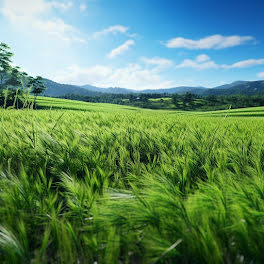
[61,6]
[202,58]
[210,42]
[159,62]
[245,63]
[83,7]
[28,14]
[79,76]
[58,28]
[201,62]
[133,76]
[18,11]
[111,30]
[121,49]
[261,75]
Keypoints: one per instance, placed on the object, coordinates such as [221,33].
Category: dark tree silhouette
[5,60]
[15,77]
[37,87]
[176,99]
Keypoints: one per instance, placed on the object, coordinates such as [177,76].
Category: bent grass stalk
[107,184]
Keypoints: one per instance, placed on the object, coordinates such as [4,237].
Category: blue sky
[136,44]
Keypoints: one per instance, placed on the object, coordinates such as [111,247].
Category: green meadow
[101,183]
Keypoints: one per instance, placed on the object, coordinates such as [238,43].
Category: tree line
[187,101]
[16,85]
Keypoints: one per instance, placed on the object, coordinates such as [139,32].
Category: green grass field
[102,183]
[61,104]
[160,99]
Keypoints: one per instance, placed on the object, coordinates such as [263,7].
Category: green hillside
[245,88]
[56,103]
[57,89]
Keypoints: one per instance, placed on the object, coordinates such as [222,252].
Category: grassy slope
[56,103]
[119,184]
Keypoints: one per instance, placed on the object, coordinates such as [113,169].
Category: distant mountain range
[58,89]
[238,87]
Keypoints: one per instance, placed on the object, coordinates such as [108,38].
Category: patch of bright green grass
[115,184]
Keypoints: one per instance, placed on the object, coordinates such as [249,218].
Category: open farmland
[56,103]
[102,183]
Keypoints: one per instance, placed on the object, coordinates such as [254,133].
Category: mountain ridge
[237,87]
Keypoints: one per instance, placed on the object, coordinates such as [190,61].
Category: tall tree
[188,98]
[15,77]
[5,60]
[37,87]
[176,99]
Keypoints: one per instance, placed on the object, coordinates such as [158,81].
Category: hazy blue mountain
[113,90]
[179,90]
[238,87]
[225,86]
[57,89]
[117,90]
[245,88]
[92,88]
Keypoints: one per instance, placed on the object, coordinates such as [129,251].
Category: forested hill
[245,88]
[57,89]
[238,87]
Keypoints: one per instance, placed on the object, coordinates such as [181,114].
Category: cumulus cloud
[210,42]
[60,29]
[30,14]
[146,74]
[133,76]
[201,62]
[18,11]
[245,63]
[111,30]
[202,58]
[121,49]
[61,6]
[159,62]
[261,75]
